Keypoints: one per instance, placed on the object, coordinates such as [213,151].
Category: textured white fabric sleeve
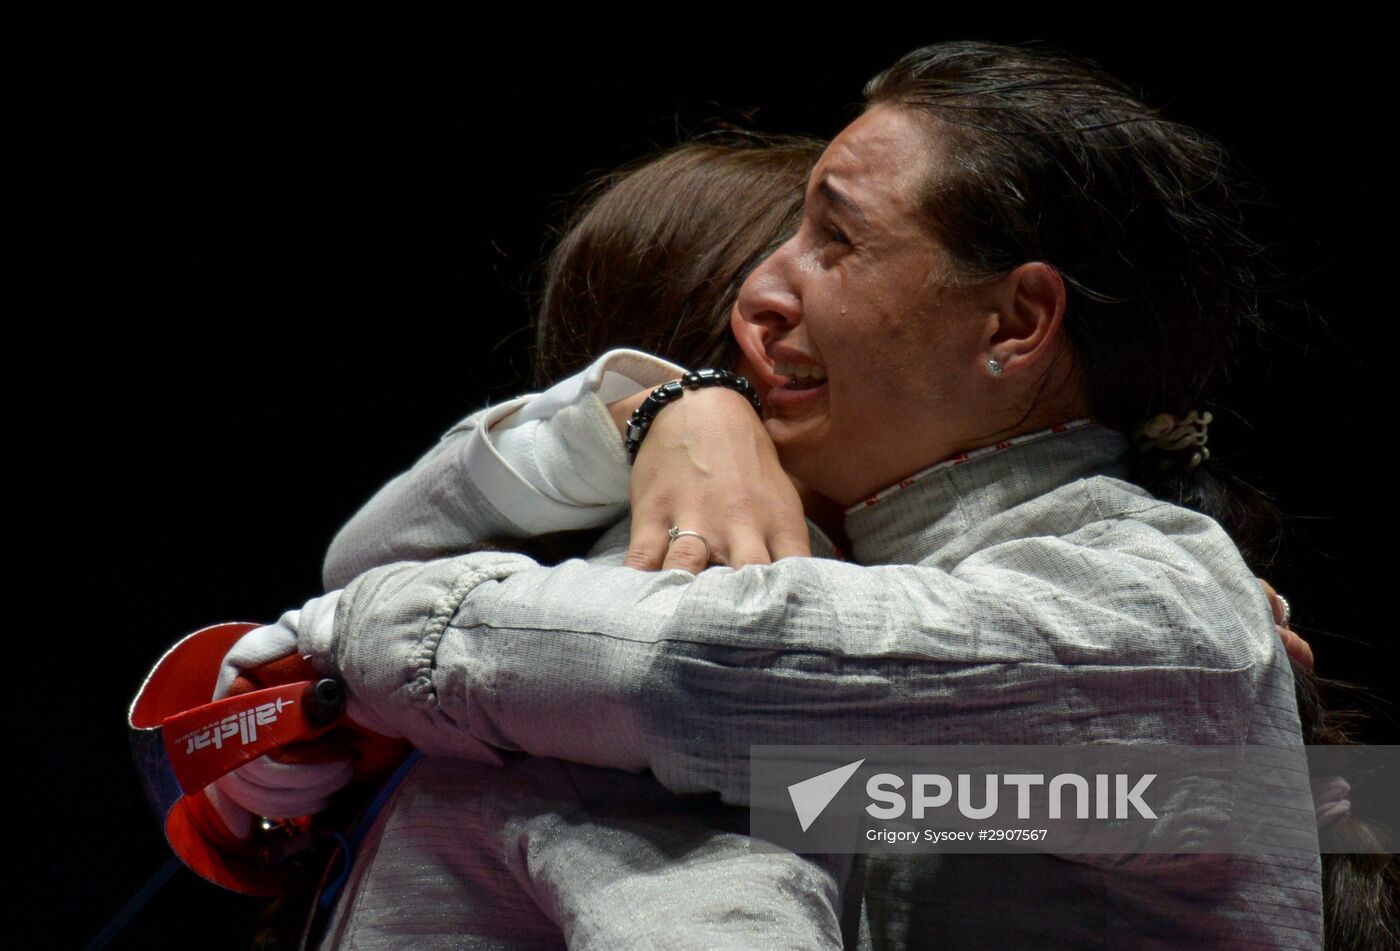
[564,446]
[541,463]
[680,673]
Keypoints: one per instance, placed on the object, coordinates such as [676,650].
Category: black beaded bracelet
[643,415]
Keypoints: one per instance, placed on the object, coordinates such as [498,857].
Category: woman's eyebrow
[837,197]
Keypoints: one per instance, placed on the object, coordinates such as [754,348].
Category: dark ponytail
[1052,160]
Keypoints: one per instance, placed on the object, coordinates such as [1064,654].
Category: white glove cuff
[285,790]
[239,821]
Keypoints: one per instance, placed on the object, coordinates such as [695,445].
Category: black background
[266,261]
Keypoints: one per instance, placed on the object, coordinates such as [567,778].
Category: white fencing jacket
[538,852]
[1022,595]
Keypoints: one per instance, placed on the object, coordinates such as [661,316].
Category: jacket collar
[908,522]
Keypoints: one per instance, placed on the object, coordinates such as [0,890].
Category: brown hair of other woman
[1052,160]
[654,255]
[652,258]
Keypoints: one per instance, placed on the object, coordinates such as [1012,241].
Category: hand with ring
[707,488]
[674,532]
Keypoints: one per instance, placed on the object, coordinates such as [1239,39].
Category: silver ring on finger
[1287,609]
[675,532]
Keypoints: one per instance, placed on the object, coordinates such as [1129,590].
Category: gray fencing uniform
[1023,595]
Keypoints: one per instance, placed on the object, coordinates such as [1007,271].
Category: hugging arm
[680,674]
[543,463]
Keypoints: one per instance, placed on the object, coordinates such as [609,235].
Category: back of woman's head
[654,256]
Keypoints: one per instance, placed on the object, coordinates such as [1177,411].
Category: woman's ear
[1027,342]
[1030,312]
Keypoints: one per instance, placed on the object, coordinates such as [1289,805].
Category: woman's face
[855,323]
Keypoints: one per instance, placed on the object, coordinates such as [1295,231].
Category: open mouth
[801,376]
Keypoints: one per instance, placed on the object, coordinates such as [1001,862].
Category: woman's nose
[769,298]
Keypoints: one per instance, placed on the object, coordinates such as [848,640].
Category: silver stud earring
[993,368]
